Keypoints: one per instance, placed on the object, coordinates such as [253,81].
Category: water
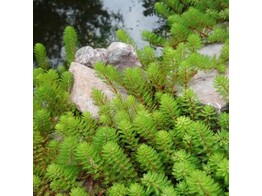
[95,21]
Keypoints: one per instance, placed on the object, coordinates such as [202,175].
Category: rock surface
[88,56]
[202,82]
[118,54]
[202,85]
[84,80]
[211,50]
[122,55]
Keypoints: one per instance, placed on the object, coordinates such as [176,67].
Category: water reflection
[95,21]
[149,7]
[137,16]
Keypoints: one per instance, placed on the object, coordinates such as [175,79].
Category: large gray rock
[89,56]
[84,81]
[118,54]
[122,55]
[202,83]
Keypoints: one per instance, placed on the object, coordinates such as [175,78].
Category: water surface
[95,21]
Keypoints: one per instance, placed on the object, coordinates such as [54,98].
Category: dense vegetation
[152,142]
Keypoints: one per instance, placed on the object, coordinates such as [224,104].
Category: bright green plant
[40,55]
[221,84]
[149,159]
[154,141]
[156,183]
[202,184]
[70,41]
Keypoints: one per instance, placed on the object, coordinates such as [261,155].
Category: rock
[84,80]
[118,54]
[89,56]
[122,55]
[202,85]
[202,82]
[211,50]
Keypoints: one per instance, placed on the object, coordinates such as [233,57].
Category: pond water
[96,22]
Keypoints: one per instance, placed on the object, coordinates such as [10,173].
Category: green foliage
[117,189]
[219,35]
[54,161]
[164,144]
[104,135]
[224,121]
[146,55]
[222,140]
[61,69]
[201,184]
[163,9]
[66,155]
[42,121]
[78,192]
[150,141]
[40,55]
[124,37]
[136,189]
[89,159]
[175,5]
[225,52]
[202,138]
[153,38]
[157,75]
[62,177]
[182,188]
[221,83]
[181,170]
[190,104]
[67,81]
[36,182]
[117,165]
[223,171]
[191,21]
[39,153]
[69,125]
[49,93]
[169,191]
[209,116]
[137,85]
[70,41]
[194,42]
[109,74]
[169,109]
[144,126]
[195,135]
[179,34]
[127,134]
[99,97]
[149,159]
[155,183]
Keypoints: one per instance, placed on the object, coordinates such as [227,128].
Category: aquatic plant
[152,142]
